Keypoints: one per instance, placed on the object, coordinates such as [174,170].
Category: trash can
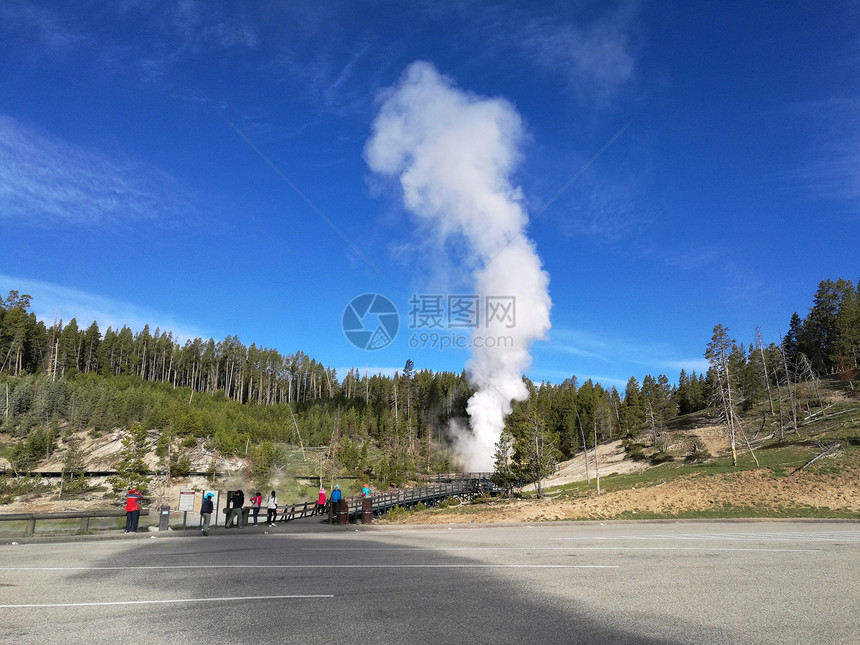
[366,510]
[342,512]
[164,518]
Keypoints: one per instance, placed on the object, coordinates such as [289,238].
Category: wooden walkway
[456,485]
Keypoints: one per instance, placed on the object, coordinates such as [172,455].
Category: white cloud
[50,300]
[43,179]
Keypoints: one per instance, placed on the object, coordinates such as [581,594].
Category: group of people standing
[235,504]
[336,496]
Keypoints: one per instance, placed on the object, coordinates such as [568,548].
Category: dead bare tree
[827,451]
[809,375]
[790,385]
[760,346]
[724,391]
[584,448]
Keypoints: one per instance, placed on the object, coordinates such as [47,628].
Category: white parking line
[155,602]
[849,536]
[563,548]
[553,548]
[321,566]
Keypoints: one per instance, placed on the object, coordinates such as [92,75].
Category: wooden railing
[84,516]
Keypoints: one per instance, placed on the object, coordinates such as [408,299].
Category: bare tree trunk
[779,404]
[764,366]
[51,355]
[301,444]
[584,448]
[596,469]
[792,398]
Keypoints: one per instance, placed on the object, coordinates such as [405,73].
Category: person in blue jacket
[336,495]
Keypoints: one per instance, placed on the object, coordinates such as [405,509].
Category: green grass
[728,511]
[782,460]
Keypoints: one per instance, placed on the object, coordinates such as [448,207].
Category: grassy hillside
[699,481]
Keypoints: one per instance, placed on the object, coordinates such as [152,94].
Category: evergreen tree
[131,468]
[536,452]
[504,474]
[632,413]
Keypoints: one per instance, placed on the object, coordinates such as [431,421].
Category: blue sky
[201,166]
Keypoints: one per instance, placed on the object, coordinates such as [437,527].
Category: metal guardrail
[32,518]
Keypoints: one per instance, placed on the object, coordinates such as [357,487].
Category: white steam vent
[454,153]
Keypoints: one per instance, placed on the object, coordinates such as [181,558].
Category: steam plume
[454,153]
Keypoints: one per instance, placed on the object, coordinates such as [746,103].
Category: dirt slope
[759,489]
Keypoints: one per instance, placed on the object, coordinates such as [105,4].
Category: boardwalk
[456,485]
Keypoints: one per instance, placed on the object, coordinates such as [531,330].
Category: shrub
[635,451]
[698,452]
[448,502]
[661,457]
[180,466]
[12,487]
[397,513]
[76,486]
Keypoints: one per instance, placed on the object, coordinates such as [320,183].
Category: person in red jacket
[132,510]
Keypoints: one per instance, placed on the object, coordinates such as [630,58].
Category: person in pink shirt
[321,501]
[256,502]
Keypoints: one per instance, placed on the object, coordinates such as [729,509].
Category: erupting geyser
[454,153]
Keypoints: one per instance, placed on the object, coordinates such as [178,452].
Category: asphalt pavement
[612,582]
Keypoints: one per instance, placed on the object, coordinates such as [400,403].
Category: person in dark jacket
[236,509]
[206,508]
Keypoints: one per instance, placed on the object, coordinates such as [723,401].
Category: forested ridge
[246,400]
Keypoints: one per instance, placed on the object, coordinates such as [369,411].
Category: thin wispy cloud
[596,59]
[187,30]
[53,300]
[613,350]
[50,28]
[602,209]
[44,179]
[831,168]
